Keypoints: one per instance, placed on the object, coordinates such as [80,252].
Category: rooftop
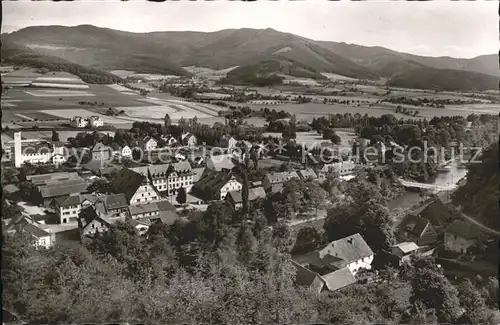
[407,247]
[464,229]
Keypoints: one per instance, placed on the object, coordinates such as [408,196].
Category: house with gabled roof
[214,185]
[417,229]
[136,187]
[101,152]
[334,266]
[236,199]
[91,222]
[189,139]
[307,174]
[150,143]
[461,235]
[227,141]
[278,178]
[351,252]
[41,236]
[68,207]
[169,177]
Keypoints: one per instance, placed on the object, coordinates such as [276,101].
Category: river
[409,198]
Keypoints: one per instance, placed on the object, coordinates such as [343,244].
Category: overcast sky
[434,28]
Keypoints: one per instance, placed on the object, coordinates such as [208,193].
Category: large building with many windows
[169,178]
[137,188]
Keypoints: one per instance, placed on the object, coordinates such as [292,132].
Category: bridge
[435,188]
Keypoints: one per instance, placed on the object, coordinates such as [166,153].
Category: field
[313,139]
[25,105]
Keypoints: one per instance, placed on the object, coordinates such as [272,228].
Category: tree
[181,196]
[55,136]
[335,138]
[167,121]
[434,290]
[308,239]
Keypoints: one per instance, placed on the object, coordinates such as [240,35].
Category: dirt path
[479,224]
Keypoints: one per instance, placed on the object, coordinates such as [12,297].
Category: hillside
[444,79]
[20,56]
[167,52]
[388,63]
[479,196]
[98,48]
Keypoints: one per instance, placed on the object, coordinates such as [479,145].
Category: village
[163,186]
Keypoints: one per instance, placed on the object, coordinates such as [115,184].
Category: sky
[435,28]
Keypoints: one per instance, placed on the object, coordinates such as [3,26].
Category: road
[480,225]
[321,214]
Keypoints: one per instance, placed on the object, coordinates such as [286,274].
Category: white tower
[18,154]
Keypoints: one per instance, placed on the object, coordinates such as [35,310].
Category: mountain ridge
[166,52]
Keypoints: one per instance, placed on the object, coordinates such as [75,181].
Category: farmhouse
[189,140]
[214,185]
[70,206]
[136,187]
[101,152]
[417,229]
[91,222]
[95,121]
[461,235]
[79,122]
[151,210]
[307,174]
[41,237]
[236,200]
[273,179]
[335,265]
[150,143]
[126,152]
[344,168]
[169,140]
[228,142]
[36,152]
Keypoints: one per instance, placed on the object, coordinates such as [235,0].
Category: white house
[169,140]
[150,143]
[228,142]
[351,252]
[344,168]
[95,121]
[136,187]
[214,185]
[278,178]
[79,122]
[460,235]
[42,237]
[189,139]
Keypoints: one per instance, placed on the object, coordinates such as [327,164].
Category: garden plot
[59,93]
[198,108]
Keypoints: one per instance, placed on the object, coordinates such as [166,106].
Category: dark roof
[307,173]
[115,201]
[68,200]
[166,217]
[127,181]
[100,147]
[165,206]
[437,213]
[253,194]
[464,229]
[414,224]
[34,230]
[52,177]
[63,188]
[212,180]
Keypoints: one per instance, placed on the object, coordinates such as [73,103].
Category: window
[138,200]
